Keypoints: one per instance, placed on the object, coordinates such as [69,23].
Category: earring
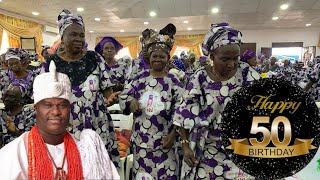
[210,60]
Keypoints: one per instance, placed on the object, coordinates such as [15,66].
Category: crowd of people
[177,104]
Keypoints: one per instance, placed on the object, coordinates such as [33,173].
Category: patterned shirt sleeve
[127,95]
[188,111]
[105,73]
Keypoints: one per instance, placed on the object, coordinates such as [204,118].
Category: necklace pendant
[60,174]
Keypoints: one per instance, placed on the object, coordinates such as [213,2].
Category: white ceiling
[129,15]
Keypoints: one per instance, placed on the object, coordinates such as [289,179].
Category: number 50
[273,136]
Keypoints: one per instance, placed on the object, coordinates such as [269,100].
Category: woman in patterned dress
[17,74]
[142,63]
[91,84]
[249,57]
[206,95]
[108,47]
[153,97]
[16,118]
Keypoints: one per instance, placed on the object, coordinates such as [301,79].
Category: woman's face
[15,65]
[74,38]
[158,60]
[286,62]
[12,97]
[109,50]
[225,59]
[252,61]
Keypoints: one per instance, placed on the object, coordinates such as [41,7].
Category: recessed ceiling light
[146,23]
[97,19]
[214,10]
[91,31]
[189,28]
[121,30]
[155,29]
[308,24]
[275,18]
[185,22]
[152,14]
[284,6]
[35,13]
[80,9]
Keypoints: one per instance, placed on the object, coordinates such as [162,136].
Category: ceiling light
[97,19]
[284,6]
[155,29]
[214,10]
[91,31]
[35,13]
[189,28]
[152,14]
[275,18]
[185,22]
[146,23]
[80,9]
[308,24]
[57,21]
[121,30]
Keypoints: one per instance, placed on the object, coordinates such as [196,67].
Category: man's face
[53,115]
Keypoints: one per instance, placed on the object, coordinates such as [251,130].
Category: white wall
[49,38]
[263,38]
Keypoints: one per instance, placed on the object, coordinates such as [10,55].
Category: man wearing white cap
[48,151]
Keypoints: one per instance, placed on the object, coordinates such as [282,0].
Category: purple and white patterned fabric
[119,72]
[314,77]
[138,66]
[248,54]
[66,18]
[159,98]
[179,64]
[201,111]
[104,40]
[17,53]
[23,121]
[88,110]
[220,35]
[25,84]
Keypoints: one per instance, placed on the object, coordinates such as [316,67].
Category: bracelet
[184,142]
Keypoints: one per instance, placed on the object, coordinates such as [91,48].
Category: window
[4,43]
[123,52]
[289,52]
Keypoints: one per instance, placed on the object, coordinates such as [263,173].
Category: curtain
[1,33]
[173,50]
[131,42]
[17,28]
[14,41]
[190,41]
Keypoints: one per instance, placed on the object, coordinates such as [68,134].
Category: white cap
[52,85]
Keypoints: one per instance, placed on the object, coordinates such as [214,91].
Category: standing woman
[206,95]
[143,62]
[90,81]
[152,97]
[108,47]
